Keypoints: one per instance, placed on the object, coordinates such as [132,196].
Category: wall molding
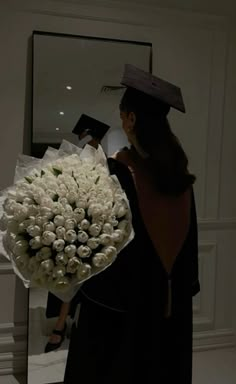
[13,351]
[145,15]
[217,339]
[5,268]
[13,347]
[223,224]
[204,303]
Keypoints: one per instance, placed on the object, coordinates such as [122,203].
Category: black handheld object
[90,126]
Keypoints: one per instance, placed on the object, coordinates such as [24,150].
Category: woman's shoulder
[118,166]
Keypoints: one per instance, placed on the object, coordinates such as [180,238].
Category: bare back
[166,219]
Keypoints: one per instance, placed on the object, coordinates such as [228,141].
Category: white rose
[62,191]
[70,223]
[21,246]
[100,260]
[51,185]
[57,208]
[33,210]
[99,219]
[11,195]
[21,228]
[68,213]
[84,271]
[40,220]
[20,212]
[95,210]
[39,278]
[70,236]
[123,225]
[113,221]
[72,197]
[63,201]
[118,236]
[107,228]
[59,221]
[47,266]
[82,237]
[110,252]
[45,211]
[59,271]
[28,201]
[49,226]
[105,239]
[38,256]
[30,221]
[26,223]
[36,242]
[59,245]
[95,229]
[83,187]
[9,206]
[84,251]
[122,210]
[34,230]
[48,237]
[9,240]
[44,253]
[84,225]
[79,214]
[60,232]
[61,258]
[5,222]
[47,202]
[81,203]
[108,207]
[70,250]
[93,242]
[20,196]
[22,261]
[33,264]
[73,265]
[52,194]
[12,226]
[38,190]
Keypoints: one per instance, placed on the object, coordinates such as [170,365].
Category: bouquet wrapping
[64,220]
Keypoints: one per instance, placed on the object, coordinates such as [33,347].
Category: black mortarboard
[93,127]
[153,86]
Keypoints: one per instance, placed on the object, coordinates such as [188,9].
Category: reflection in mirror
[71,76]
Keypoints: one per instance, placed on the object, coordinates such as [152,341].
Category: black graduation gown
[122,334]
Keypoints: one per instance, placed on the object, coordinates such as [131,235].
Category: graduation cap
[91,126]
[153,86]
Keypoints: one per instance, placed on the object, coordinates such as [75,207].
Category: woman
[136,317]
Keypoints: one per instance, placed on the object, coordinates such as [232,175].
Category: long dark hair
[166,161]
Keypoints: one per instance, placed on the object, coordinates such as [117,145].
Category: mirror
[72,75]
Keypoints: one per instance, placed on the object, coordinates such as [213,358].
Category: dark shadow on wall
[28,115]
[21,302]
[20,333]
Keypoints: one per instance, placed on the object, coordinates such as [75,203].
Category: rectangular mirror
[72,75]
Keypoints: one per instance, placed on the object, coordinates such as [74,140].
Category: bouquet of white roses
[65,219]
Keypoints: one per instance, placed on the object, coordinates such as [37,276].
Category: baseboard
[13,345]
[13,348]
[210,340]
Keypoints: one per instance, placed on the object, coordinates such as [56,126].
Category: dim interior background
[194,45]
